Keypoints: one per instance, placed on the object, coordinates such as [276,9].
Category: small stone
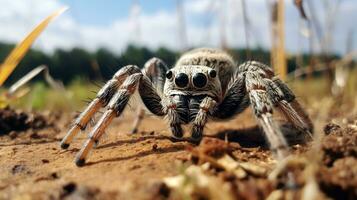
[54,175]
[330,128]
[45,161]
[68,189]
[13,134]
[17,169]
[35,135]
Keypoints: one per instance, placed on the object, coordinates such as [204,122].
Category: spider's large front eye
[199,80]
[181,80]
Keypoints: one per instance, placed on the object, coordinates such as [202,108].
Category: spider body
[204,84]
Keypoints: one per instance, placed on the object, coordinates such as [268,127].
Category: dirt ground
[125,166]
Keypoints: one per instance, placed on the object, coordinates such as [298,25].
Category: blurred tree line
[68,65]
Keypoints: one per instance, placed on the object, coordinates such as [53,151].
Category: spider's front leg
[280,95]
[263,110]
[254,83]
[284,99]
[115,109]
[116,106]
[155,69]
[102,99]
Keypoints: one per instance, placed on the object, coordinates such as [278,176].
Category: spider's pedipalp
[172,108]
[206,107]
[102,99]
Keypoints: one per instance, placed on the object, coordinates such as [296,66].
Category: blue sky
[103,12]
[92,24]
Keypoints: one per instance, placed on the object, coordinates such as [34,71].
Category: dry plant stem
[16,55]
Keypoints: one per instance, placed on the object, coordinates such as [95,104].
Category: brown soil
[124,166]
[11,120]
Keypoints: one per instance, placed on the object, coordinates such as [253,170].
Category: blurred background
[309,42]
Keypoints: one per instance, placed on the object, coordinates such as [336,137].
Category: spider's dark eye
[199,80]
[181,80]
[213,73]
[169,74]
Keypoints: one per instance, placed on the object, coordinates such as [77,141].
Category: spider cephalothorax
[204,84]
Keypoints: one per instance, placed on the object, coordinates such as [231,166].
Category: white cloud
[18,17]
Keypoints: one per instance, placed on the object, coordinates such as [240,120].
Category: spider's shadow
[255,137]
[134,140]
[249,137]
[170,149]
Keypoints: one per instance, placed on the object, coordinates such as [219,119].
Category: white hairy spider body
[204,84]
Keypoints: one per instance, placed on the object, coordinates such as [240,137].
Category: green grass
[41,97]
[313,89]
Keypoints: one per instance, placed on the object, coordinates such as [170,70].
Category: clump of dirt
[247,172]
[338,178]
[213,147]
[12,120]
[216,165]
[148,165]
[339,143]
[72,191]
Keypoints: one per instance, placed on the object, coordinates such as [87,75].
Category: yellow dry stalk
[5,99]
[16,55]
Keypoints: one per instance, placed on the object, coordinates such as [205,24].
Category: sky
[113,24]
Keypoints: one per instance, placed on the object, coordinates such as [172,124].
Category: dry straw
[16,55]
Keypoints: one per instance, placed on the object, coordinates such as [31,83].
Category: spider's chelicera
[204,84]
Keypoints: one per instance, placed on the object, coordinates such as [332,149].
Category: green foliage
[41,96]
[69,65]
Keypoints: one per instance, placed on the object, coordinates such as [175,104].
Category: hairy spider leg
[117,104]
[286,102]
[102,99]
[206,107]
[155,69]
[115,109]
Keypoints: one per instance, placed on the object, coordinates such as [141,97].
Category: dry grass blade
[25,79]
[16,55]
[299,5]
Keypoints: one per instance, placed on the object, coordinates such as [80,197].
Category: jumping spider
[205,83]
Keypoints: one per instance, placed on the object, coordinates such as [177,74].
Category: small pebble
[154,147]
[13,134]
[45,161]
[35,136]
